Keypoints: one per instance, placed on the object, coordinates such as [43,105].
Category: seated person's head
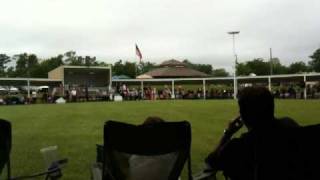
[256,106]
[153,120]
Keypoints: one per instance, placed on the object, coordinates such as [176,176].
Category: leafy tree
[298,67]
[315,62]
[220,73]
[145,67]
[277,67]
[70,58]
[127,68]
[118,68]
[205,68]
[4,59]
[26,65]
[243,69]
[130,69]
[259,67]
[10,72]
[90,61]
[47,65]
[102,64]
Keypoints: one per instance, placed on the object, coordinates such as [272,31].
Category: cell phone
[238,121]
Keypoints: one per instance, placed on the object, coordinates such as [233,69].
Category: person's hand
[234,126]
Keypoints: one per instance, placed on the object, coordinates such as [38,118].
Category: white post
[204,89]
[235,87]
[172,93]
[305,86]
[269,83]
[235,83]
[142,93]
[62,88]
[110,79]
[28,88]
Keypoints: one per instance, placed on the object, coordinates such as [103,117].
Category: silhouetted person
[263,152]
[87,93]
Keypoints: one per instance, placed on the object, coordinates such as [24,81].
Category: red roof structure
[174,69]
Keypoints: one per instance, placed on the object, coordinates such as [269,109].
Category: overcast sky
[163,29]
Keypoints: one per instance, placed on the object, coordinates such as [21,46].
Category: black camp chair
[291,154]
[53,172]
[307,139]
[5,146]
[165,146]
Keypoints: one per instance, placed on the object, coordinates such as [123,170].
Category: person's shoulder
[287,122]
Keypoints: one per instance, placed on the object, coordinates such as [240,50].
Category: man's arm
[213,158]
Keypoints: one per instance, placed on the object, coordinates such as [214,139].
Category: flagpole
[140,57]
[138,53]
[136,63]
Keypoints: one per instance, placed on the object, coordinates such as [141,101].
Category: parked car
[14,99]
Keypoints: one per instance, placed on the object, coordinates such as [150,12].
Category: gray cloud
[163,29]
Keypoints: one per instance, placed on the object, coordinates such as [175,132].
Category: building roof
[81,67]
[59,72]
[173,69]
[33,81]
[172,63]
[144,76]
[172,72]
[121,77]
[86,67]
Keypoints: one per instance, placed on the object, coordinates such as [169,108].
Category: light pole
[235,89]
[271,62]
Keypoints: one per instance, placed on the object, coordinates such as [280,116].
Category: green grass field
[76,128]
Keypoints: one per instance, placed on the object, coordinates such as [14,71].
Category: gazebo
[173,69]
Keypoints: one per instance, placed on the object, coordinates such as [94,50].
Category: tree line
[29,65]
[260,66]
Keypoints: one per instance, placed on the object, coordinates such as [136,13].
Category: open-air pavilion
[267,80]
[30,82]
[66,77]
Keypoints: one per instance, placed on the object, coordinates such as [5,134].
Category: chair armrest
[53,172]
[96,171]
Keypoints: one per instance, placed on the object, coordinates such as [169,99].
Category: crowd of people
[154,93]
[165,92]
[129,93]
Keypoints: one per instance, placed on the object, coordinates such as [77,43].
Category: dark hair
[153,120]
[256,106]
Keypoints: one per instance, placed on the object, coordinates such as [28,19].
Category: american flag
[138,52]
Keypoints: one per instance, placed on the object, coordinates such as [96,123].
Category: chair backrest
[309,151]
[289,154]
[157,151]
[5,144]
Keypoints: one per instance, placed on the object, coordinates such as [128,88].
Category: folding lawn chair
[154,151]
[53,172]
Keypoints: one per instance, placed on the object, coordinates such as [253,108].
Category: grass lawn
[76,128]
